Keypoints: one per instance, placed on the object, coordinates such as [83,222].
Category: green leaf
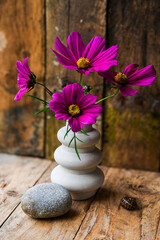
[43,110]
[75,145]
[67,133]
[68,130]
[59,91]
[84,132]
[70,142]
[37,99]
[79,140]
[47,89]
[67,126]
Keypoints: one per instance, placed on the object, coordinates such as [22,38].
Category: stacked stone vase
[81,176]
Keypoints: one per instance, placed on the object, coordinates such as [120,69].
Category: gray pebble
[46,200]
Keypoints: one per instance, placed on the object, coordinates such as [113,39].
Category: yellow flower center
[121,78]
[83,63]
[74,110]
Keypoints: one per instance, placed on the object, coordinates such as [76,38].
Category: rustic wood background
[130,126]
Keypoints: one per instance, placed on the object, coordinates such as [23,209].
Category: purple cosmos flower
[74,106]
[130,76]
[26,79]
[87,59]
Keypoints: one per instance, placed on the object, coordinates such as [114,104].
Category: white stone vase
[81,177]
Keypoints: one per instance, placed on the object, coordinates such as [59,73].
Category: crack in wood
[85,218]
[89,228]
[141,212]
[157,226]
[85,215]
[9,214]
[97,218]
[5,220]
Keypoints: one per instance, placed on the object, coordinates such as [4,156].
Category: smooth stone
[46,200]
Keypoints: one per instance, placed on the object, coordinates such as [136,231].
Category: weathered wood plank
[62,19]
[131,124]
[21,32]
[98,218]
[17,174]
[107,220]
[89,21]
[60,228]
[157,236]
[56,26]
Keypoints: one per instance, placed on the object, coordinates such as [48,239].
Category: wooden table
[95,219]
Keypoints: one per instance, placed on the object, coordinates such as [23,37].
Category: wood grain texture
[107,220]
[21,35]
[29,28]
[131,125]
[157,237]
[60,228]
[17,174]
[56,26]
[64,17]
[89,19]
[99,218]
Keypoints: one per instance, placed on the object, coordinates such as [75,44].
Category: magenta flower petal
[59,98]
[87,119]
[62,116]
[144,76]
[75,125]
[104,60]
[87,71]
[108,54]
[127,91]
[20,93]
[76,44]
[87,59]
[64,50]
[74,106]
[130,69]
[26,79]
[104,65]
[108,75]
[94,47]
[94,108]
[22,70]
[22,82]
[89,114]
[71,67]
[63,60]
[57,106]
[73,93]
[112,52]
[87,100]
[58,103]
[131,76]
[25,65]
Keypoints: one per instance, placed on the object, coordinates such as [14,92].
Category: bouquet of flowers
[74,102]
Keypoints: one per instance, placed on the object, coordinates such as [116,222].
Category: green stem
[80,80]
[46,103]
[49,92]
[75,146]
[108,96]
[43,110]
